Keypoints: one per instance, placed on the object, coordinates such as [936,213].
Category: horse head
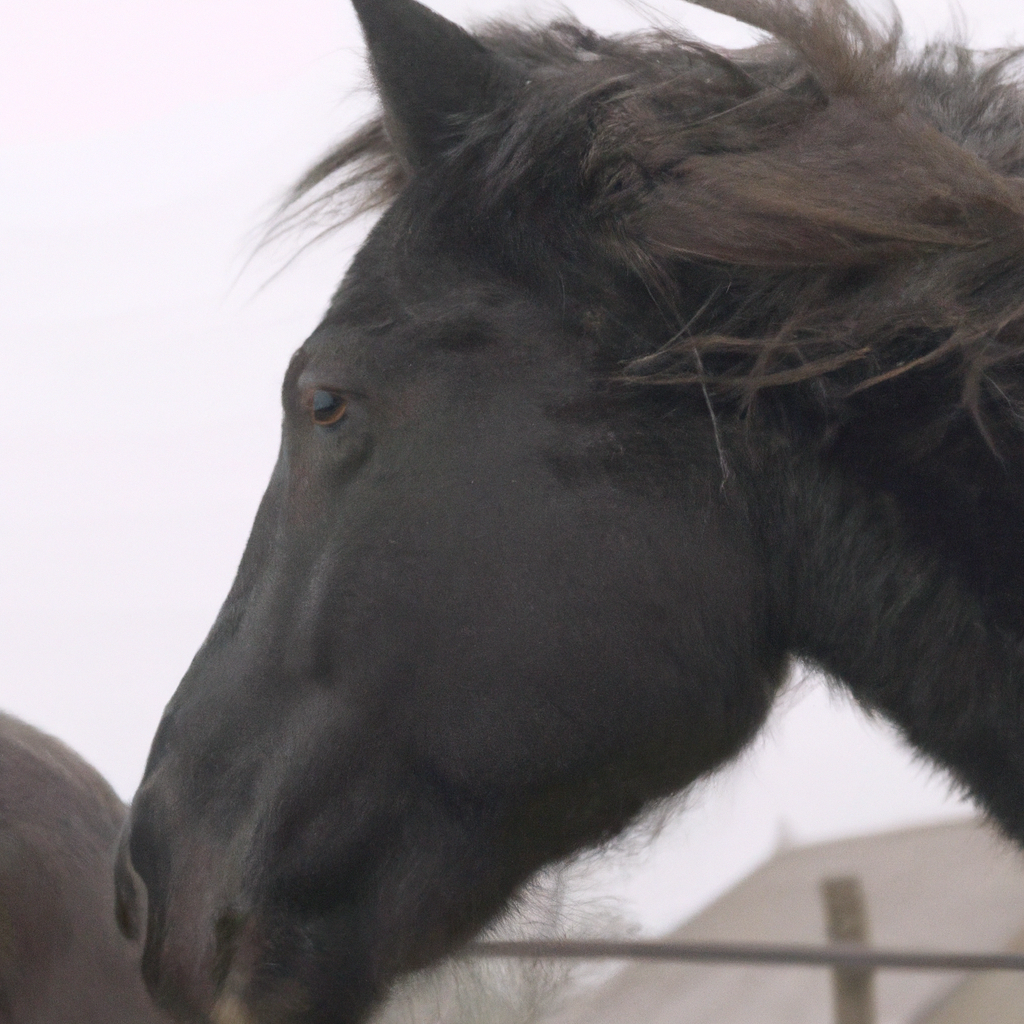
[453,649]
[521,568]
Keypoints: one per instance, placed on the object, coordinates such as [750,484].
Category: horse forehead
[392,332]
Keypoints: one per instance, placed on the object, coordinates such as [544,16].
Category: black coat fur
[661,367]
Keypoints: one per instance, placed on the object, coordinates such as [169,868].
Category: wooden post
[853,989]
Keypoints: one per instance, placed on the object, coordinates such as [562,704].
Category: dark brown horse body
[62,959]
[662,367]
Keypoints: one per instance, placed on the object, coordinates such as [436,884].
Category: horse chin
[276,973]
[240,959]
[285,1002]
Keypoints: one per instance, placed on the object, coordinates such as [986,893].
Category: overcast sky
[141,147]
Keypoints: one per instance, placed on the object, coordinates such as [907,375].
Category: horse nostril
[129,892]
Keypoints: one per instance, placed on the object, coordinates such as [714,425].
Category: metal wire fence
[832,955]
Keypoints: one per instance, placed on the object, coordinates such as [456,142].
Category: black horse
[662,367]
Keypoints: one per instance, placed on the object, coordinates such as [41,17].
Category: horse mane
[856,209]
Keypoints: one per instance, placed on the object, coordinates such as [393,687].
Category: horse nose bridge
[280,619]
[275,575]
[293,619]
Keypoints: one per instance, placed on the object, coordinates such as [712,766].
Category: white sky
[141,145]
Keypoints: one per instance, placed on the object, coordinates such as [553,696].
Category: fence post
[853,989]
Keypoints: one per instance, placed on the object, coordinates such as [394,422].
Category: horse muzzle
[180,959]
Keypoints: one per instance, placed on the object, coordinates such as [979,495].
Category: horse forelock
[859,207]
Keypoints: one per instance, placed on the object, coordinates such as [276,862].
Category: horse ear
[430,74]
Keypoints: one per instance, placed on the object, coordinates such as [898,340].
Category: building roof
[949,887]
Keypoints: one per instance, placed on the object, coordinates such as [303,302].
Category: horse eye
[327,408]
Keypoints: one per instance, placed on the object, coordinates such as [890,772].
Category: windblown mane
[857,210]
